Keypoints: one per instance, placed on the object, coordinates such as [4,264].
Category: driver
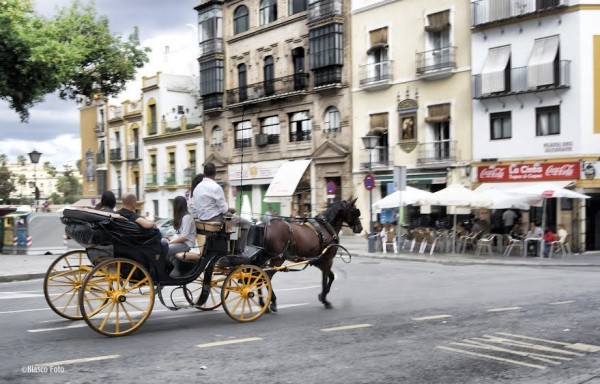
[209,200]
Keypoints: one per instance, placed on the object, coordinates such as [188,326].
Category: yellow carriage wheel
[246,293]
[63,281]
[116,297]
[193,290]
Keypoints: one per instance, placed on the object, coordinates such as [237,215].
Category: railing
[212,101]
[436,60]
[172,126]
[115,154]
[115,113]
[170,178]
[376,73]
[518,82]
[211,46]
[133,151]
[300,136]
[436,151]
[100,158]
[99,128]
[375,158]
[487,11]
[152,128]
[324,8]
[151,180]
[282,86]
[192,122]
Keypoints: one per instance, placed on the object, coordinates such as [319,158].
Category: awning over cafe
[287,178]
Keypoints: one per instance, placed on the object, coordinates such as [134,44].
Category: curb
[21,277]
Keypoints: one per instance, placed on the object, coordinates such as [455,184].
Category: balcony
[192,122]
[115,154]
[300,136]
[133,152]
[377,75]
[378,157]
[99,129]
[210,47]
[115,113]
[518,82]
[151,180]
[488,11]
[324,8]
[100,158]
[170,178]
[438,63]
[436,152]
[212,102]
[270,89]
[172,126]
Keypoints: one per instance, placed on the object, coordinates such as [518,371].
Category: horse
[314,239]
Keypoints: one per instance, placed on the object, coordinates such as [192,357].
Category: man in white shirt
[508,218]
[210,203]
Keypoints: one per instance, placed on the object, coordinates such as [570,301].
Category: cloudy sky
[53,127]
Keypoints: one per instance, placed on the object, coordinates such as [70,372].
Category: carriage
[112,283]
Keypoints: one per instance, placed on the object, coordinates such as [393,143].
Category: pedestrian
[268,215]
[509,218]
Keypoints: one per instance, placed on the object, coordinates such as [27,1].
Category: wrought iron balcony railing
[170,178]
[151,180]
[436,151]
[324,8]
[115,154]
[436,60]
[376,73]
[377,157]
[487,11]
[100,158]
[279,87]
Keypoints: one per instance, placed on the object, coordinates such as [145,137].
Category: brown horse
[313,239]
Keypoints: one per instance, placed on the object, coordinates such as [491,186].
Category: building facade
[536,99]
[275,84]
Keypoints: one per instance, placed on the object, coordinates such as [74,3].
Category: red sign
[530,172]
[330,188]
[369,181]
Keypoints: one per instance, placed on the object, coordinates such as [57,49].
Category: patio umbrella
[410,196]
[497,199]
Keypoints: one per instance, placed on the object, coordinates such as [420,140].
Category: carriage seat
[188,256]
[90,215]
[209,226]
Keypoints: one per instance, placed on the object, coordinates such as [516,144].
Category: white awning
[286,179]
[492,75]
[522,184]
[540,69]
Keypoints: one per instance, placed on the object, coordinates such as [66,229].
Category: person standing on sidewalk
[508,218]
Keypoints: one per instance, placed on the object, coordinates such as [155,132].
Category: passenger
[108,202]
[128,212]
[185,229]
[549,237]
[191,206]
[561,233]
[210,203]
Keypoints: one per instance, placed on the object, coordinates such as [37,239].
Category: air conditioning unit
[262,139]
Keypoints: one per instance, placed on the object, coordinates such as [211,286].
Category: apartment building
[536,92]
[275,84]
[92,130]
[411,89]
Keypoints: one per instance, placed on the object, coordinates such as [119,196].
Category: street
[392,322]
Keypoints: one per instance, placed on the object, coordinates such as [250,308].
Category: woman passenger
[185,229]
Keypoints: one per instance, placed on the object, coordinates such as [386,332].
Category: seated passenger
[185,229]
[128,212]
[108,202]
[191,206]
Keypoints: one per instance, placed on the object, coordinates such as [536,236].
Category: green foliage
[21,179]
[55,199]
[21,160]
[68,186]
[73,53]
[7,183]
[50,169]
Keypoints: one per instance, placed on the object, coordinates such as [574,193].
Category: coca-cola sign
[529,172]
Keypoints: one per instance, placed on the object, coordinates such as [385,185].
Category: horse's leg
[328,277]
[273,305]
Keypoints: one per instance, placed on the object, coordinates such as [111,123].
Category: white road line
[25,310]
[491,357]
[434,317]
[299,288]
[18,295]
[77,361]
[228,342]
[562,302]
[532,338]
[74,325]
[346,327]
[583,347]
[504,309]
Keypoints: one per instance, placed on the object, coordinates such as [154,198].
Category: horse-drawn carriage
[112,283]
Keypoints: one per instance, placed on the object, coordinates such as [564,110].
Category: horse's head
[352,215]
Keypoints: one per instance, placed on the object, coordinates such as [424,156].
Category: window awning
[521,184]
[438,21]
[286,179]
[438,113]
[540,69]
[379,121]
[492,75]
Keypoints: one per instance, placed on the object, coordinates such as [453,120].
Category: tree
[68,186]
[49,169]
[73,53]
[21,160]
[7,182]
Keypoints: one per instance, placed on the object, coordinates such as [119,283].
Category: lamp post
[370,141]
[34,156]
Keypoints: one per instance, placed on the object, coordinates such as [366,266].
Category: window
[270,127]
[298,59]
[243,134]
[300,128]
[269,76]
[240,20]
[217,136]
[297,6]
[326,45]
[377,56]
[242,82]
[209,24]
[211,75]
[268,11]
[332,120]
[547,121]
[441,143]
[500,126]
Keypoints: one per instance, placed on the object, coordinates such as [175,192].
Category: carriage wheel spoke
[107,316]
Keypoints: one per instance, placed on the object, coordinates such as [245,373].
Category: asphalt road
[392,322]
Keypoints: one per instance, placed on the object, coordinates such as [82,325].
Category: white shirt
[188,230]
[209,199]
[509,218]
[192,207]
[562,234]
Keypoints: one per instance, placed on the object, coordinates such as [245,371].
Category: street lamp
[370,141]
[34,156]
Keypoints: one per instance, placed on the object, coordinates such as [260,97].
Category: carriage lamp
[370,141]
[34,156]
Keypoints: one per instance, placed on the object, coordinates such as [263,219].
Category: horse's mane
[332,211]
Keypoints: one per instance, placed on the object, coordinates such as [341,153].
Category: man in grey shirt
[508,218]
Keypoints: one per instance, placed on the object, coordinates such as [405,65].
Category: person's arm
[220,201]
[145,223]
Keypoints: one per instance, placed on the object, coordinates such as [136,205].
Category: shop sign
[529,172]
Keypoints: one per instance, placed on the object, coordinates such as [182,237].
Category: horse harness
[318,225]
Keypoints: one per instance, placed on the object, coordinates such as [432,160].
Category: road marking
[24,310]
[532,338]
[434,317]
[510,361]
[77,361]
[504,309]
[562,302]
[228,342]
[345,327]
[75,325]
[584,347]
[299,288]
[18,295]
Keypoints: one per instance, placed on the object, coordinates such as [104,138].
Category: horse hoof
[320,298]
[273,308]
[328,306]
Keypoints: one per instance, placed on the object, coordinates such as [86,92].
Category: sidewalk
[26,267]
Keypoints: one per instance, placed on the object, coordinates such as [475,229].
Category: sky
[53,126]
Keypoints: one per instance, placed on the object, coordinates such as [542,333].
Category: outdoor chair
[565,248]
[513,243]
[470,239]
[431,239]
[486,242]
[389,239]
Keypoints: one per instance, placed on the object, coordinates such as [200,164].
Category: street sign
[330,188]
[369,181]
